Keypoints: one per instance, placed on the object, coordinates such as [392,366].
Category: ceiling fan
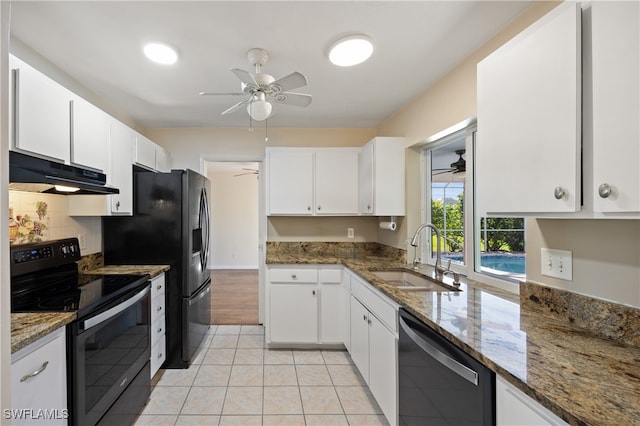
[458,166]
[263,90]
[247,171]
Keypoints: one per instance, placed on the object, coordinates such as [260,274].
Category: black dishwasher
[439,384]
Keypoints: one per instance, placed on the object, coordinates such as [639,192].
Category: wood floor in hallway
[234,296]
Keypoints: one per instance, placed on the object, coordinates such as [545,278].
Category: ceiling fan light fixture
[160,53]
[259,110]
[351,50]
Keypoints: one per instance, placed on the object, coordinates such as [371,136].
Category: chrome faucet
[415,242]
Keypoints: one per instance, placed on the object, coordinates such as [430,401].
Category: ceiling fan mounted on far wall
[458,166]
[263,90]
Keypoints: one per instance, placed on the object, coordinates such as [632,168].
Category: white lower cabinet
[515,408]
[158,325]
[293,313]
[39,382]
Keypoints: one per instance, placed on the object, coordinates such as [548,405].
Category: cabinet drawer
[157,308]
[381,308]
[158,355]
[157,286]
[157,330]
[293,276]
[330,276]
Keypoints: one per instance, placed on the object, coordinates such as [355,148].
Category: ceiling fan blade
[290,98]
[288,82]
[221,94]
[245,77]
[235,107]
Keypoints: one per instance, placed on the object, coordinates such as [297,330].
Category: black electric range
[108,344]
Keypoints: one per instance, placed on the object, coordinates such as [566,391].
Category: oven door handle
[444,359]
[104,316]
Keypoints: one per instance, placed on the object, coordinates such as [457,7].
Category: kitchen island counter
[581,377]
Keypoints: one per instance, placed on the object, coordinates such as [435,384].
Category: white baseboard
[213,267]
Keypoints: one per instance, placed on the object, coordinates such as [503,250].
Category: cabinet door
[89,135]
[529,103]
[145,152]
[291,182]
[121,173]
[514,408]
[163,161]
[331,313]
[293,313]
[616,106]
[39,379]
[383,368]
[360,337]
[41,113]
[336,182]
[366,179]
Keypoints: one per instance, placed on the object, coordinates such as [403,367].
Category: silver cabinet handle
[294,276]
[313,292]
[35,373]
[159,287]
[319,207]
[117,205]
[364,317]
[559,192]
[308,208]
[159,308]
[604,190]
[159,355]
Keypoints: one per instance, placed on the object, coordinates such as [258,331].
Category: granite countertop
[582,378]
[27,328]
[152,270]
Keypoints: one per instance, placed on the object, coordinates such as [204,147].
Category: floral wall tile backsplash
[40,217]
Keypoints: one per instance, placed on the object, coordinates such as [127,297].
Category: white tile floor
[235,380]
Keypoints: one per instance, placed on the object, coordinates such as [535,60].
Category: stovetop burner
[51,282]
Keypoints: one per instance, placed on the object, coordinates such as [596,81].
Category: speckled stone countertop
[152,270]
[27,328]
[581,377]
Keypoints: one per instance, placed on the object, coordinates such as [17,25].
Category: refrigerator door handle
[203,223]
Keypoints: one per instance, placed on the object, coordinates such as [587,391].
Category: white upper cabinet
[615,39]
[382,177]
[41,120]
[336,181]
[529,122]
[121,173]
[89,135]
[145,152]
[312,181]
[290,182]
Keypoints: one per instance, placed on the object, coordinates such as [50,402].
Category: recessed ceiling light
[351,50]
[161,53]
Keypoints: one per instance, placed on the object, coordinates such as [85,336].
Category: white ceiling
[99,44]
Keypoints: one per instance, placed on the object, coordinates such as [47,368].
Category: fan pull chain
[266,131]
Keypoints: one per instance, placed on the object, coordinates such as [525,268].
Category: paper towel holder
[392,225]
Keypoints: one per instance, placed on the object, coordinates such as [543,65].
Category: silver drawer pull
[35,373]
[294,276]
[159,355]
[159,308]
[160,330]
[159,287]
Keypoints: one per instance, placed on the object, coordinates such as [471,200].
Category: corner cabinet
[312,181]
[382,177]
[39,380]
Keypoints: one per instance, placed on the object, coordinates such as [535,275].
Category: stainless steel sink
[410,281]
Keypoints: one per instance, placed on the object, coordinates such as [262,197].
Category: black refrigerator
[170,225]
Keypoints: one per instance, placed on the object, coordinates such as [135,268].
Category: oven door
[108,350]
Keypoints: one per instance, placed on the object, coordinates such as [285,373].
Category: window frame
[468,129]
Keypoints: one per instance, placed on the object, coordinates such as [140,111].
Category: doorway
[235,242]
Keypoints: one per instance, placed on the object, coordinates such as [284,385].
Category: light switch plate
[556,263]
[350,233]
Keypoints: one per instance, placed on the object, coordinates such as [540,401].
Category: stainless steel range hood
[32,174]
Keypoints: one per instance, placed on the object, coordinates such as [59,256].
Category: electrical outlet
[82,241]
[350,233]
[556,263]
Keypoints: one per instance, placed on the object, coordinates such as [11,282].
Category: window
[497,246]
